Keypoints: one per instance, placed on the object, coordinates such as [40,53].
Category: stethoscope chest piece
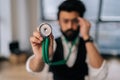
[45,29]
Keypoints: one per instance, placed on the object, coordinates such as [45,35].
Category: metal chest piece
[45,29]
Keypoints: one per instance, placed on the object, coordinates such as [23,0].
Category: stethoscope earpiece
[45,29]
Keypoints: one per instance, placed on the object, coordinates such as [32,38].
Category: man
[71,21]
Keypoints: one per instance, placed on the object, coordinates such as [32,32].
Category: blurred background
[19,18]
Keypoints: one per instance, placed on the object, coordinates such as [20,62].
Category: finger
[51,37]
[51,44]
[84,22]
[81,20]
[34,40]
[38,28]
[37,35]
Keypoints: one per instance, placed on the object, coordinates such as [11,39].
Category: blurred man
[71,21]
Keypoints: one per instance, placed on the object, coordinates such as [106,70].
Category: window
[5,27]
[109,38]
[49,9]
[110,10]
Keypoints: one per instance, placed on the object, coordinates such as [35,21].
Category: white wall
[19,19]
[24,21]
[5,27]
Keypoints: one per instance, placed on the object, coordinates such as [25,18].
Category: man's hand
[36,63]
[95,59]
[36,43]
[84,28]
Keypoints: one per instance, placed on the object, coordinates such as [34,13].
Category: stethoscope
[45,30]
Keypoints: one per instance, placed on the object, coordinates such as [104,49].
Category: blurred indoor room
[19,18]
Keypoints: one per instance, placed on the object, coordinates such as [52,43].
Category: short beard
[71,34]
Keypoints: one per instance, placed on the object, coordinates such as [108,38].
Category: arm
[97,65]
[98,68]
[28,65]
[36,63]
[94,57]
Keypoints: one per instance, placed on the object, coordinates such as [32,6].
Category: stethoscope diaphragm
[45,29]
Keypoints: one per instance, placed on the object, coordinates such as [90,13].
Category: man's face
[69,24]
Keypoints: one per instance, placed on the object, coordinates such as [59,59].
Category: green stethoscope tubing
[45,52]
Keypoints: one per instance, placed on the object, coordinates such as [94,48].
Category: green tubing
[43,48]
[45,53]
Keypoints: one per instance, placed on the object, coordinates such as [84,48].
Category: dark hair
[72,5]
